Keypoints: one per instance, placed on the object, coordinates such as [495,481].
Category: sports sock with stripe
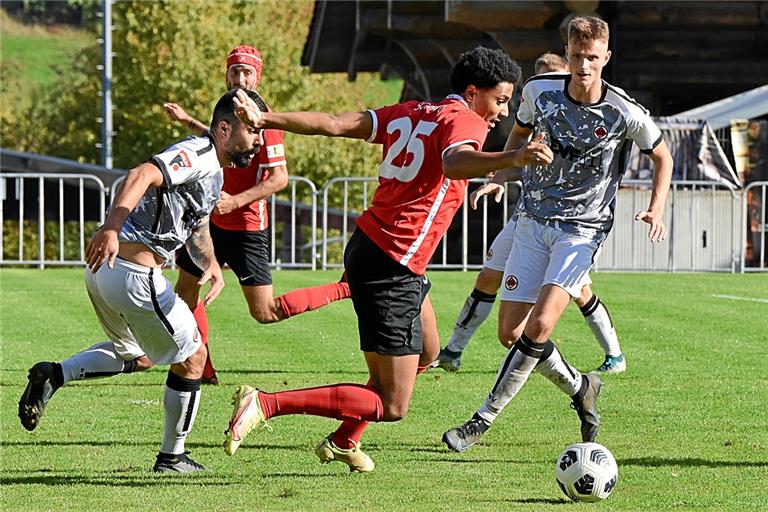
[181,400]
[475,311]
[518,364]
[558,371]
[98,361]
[598,319]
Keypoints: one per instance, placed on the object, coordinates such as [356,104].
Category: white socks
[598,319]
[99,361]
[181,400]
[520,361]
[476,309]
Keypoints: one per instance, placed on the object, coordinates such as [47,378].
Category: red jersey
[414,202]
[252,217]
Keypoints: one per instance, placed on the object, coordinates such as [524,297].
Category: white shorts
[141,314]
[543,255]
[496,259]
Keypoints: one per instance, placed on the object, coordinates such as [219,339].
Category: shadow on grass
[656,462]
[153,444]
[532,501]
[141,478]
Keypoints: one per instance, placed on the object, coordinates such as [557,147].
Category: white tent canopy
[747,105]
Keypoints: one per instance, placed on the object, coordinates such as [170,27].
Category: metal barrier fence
[353,195]
[712,228]
[14,196]
[286,210]
[755,227]
[703,222]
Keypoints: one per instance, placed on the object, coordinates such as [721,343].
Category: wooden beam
[687,44]
[528,44]
[504,15]
[700,74]
[680,15]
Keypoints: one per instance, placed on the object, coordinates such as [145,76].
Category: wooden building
[671,56]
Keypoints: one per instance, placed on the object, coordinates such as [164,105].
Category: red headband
[246,55]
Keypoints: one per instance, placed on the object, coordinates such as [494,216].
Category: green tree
[175,51]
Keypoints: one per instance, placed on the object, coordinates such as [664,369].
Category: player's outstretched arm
[200,248]
[275,182]
[176,113]
[662,176]
[104,244]
[518,137]
[353,125]
[462,162]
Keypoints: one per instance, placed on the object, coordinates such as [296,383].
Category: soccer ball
[586,472]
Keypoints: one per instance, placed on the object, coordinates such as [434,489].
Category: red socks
[302,300]
[349,433]
[340,401]
[202,325]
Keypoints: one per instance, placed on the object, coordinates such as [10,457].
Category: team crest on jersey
[180,160]
[489,254]
[275,151]
[511,283]
[600,132]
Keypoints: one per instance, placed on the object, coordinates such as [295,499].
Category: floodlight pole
[106,85]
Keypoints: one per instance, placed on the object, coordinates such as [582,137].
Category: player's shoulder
[546,81]
[623,101]
[196,146]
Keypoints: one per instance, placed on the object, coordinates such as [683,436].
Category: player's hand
[485,190]
[535,152]
[212,274]
[176,113]
[247,111]
[226,204]
[658,230]
[104,246]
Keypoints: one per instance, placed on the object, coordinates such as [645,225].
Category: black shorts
[246,253]
[387,297]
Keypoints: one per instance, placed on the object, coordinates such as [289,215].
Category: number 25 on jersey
[407,139]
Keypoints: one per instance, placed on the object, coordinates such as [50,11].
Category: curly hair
[484,68]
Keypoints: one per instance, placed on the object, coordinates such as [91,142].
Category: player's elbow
[452,168]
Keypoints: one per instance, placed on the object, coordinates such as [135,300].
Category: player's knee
[540,327]
[488,281]
[508,337]
[263,315]
[584,298]
[395,412]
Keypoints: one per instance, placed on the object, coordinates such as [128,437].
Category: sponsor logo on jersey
[181,160]
[511,283]
[601,132]
[275,151]
[489,255]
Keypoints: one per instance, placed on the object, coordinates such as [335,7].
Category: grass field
[39,51]
[688,421]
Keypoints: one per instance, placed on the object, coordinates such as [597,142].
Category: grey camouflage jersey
[165,216]
[577,191]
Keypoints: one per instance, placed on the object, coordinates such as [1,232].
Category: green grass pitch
[687,422]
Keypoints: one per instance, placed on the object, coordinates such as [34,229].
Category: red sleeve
[464,127]
[274,148]
[381,117]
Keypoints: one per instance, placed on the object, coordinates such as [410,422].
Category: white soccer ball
[586,472]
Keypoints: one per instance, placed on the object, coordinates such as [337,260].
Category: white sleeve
[642,130]
[525,113]
[183,163]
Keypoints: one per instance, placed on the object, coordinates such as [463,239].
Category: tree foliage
[176,51]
